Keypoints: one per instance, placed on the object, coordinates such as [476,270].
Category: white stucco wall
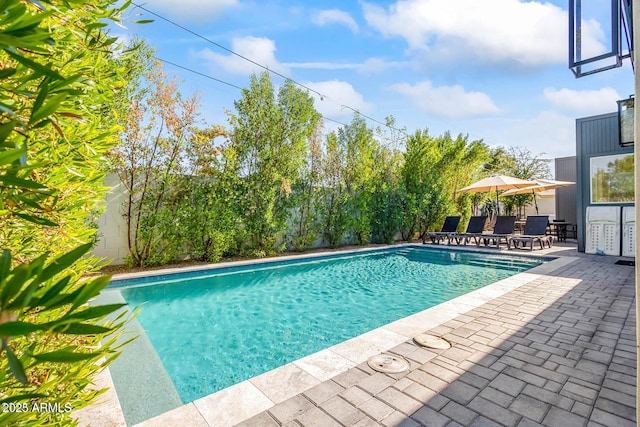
[546,206]
[112,227]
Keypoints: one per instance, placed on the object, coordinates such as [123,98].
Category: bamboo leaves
[37,287]
[57,83]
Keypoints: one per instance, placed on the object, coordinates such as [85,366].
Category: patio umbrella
[497,183]
[542,185]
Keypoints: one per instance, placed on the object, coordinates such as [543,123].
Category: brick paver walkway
[558,351]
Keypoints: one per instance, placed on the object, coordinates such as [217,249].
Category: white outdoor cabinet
[603,230]
[629,231]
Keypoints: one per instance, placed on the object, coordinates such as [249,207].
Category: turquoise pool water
[215,328]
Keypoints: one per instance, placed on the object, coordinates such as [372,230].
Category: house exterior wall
[566,208]
[595,136]
[546,206]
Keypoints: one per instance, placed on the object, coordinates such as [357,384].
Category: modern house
[604,178]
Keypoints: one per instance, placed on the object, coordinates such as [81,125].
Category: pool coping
[302,256]
[244,400]
[245,262]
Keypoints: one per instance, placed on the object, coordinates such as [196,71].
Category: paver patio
[558,351]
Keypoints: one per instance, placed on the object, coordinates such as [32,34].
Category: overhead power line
[208,40]
[225,82]
[322,96]
[197,72]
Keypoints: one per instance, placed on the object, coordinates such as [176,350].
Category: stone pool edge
[249,262]
[248,398]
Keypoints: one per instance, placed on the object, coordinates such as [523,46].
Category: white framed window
[611,179]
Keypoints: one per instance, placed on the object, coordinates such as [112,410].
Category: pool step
[501,264]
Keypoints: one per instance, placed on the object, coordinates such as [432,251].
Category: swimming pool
[218,327]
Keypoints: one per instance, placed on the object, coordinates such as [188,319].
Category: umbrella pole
[497,203]
[535,201]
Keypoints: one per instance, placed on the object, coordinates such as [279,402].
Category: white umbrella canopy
[542,185]
[497,183]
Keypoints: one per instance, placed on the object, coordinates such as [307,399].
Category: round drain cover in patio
[388,363]
[432,341]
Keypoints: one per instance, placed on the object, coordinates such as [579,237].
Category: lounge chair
[450,226]
[502,230]
[534,231]
[474,230]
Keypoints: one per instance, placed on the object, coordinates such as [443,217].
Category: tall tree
[360,150]
[387,196]
[208,218]
[524,165]
[305,211]
[462,161]
[334,199]
[158,122]
[434,169]
[270,135]
[425,201]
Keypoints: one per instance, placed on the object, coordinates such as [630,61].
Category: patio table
[559,229]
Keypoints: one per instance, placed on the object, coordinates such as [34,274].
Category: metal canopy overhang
[621,23]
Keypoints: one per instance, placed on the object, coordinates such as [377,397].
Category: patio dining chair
[502,230]
[474,230]
[450,226]
[534,232]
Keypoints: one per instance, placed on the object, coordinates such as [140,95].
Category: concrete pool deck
[552,346]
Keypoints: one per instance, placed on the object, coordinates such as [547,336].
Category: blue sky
[493,69]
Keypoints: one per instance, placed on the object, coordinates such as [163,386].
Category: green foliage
[158,123]
[434,168]
[387,196]
[614,182]
[274,184]
[425,202]
[270,136]
[57,84]
[334,216]
[180,186]
[463,161]
[361,191]
[187,196]
[43,304]
[360,148]
[48,69]
[210,222]
[306,199]
[521,163]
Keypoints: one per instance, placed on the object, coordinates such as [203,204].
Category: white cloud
[525,33]
[336,96]
[322,65]
[548,132]
[583,101]
[379,65]
[258,49]
[447,101]
[335,16]
[191,10]
[369,66]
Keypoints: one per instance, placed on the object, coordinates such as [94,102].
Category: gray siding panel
[595,136]
[565,168]
[599,134]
